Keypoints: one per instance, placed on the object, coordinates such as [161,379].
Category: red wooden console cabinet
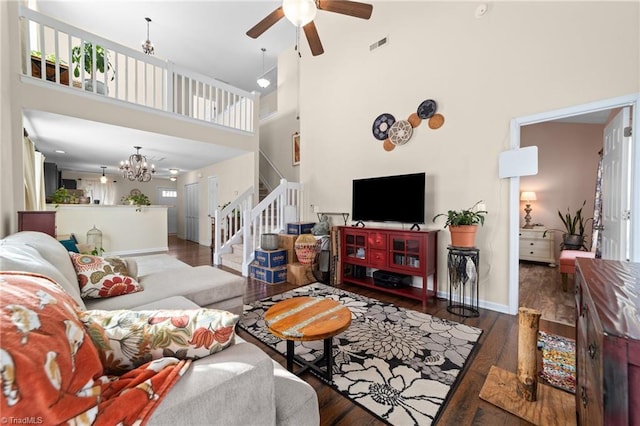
[405,252]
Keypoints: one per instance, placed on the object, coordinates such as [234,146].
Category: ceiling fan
[302,12]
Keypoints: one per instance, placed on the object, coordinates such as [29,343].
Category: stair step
[231,260]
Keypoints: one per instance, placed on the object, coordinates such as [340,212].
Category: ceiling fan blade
[313,38]
[266,23]
[351,8]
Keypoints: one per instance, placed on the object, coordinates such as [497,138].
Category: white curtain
[40,193]
[105,192]
[29,171]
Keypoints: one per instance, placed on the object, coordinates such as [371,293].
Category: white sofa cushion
[232,387]
[203,285]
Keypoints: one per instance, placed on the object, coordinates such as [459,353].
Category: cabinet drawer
[377,241]
[536,234]
[378,257]
[535,248]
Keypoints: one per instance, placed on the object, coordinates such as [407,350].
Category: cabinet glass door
[405,252]
[355,246]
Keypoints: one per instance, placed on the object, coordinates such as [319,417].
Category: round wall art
[381,126]
[427,108]
[400,132]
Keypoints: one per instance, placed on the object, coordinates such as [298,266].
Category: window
[169,194]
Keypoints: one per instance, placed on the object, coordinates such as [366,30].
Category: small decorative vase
[269,241]
[306,248]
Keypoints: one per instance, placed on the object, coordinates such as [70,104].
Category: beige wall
[567,168]
[519,59]
[234,176]
[277,130]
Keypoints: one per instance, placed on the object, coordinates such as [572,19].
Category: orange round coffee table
[305,319]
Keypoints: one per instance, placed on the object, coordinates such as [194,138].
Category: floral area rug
[558,361]
[399,364]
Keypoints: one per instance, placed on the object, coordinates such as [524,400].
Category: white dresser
[536,246]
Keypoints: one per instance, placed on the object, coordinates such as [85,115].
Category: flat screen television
[398,198]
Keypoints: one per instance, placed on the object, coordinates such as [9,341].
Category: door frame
[632,100]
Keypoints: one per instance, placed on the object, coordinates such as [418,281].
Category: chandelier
[135,168]
[147,46]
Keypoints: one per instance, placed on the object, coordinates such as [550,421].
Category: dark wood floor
[497,346]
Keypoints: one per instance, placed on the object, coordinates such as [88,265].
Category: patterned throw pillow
[49,366]
[126,339]
[101,277]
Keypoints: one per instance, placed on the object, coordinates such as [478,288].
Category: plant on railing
[102,59]
[51,57]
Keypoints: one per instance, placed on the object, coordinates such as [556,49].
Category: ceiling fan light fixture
[299,12]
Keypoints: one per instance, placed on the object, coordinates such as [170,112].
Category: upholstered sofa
[240,385]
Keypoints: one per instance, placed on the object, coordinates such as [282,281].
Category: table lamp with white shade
[527,197]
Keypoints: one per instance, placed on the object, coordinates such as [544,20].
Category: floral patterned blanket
[50,369]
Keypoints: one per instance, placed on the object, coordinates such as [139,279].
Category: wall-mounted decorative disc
[381,126]
[388,146]
[427,108]
[436,121]
[414,120]
[400,132]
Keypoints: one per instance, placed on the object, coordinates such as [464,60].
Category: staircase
[235,242]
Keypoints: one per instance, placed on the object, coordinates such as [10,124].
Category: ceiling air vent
[379,43]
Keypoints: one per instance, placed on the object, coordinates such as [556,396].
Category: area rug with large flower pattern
[399,364]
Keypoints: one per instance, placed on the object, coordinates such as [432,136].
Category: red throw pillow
[101,277]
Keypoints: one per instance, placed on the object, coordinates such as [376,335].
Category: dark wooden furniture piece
[404,252]
[463,281]
[607,342]
[41,221]
[308,319]
[36,70]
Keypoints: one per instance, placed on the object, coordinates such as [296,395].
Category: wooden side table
[306,319]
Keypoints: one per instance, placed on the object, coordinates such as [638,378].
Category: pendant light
[103,178]
[262,80]
[147,46]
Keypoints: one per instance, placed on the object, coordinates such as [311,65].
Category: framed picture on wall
[295,145]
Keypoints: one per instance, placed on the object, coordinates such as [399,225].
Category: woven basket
[306,248]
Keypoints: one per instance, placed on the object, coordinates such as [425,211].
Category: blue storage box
[297,228]
[268,275]
[271,258]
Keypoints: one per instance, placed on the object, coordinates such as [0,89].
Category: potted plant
[463,225]
[63,196]
[573,233]
[138,200]
[103,65]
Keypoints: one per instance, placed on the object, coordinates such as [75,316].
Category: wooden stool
[568,263]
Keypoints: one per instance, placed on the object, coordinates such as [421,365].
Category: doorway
[192,206]
[168,197]
[514,191]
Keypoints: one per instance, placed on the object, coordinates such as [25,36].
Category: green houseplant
[103,64]
[463,224]
[138,200]
[574,227]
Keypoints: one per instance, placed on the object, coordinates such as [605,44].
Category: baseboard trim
[498,307]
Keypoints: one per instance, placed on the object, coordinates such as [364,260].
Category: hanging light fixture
[147,46]
[262,80]
[299,12]
[103,178]
[136,168]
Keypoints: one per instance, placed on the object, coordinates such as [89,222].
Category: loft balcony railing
[60,54]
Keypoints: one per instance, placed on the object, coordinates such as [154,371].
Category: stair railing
[229,224]
[283,204]
[271,215]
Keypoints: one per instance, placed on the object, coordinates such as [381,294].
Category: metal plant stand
[462,264]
